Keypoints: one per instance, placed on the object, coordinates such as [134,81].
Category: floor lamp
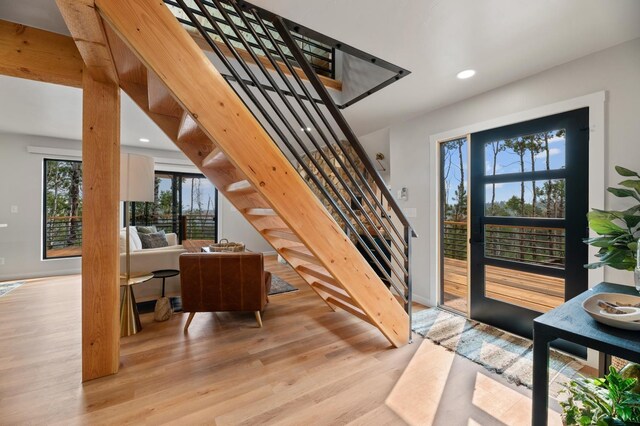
[137,183]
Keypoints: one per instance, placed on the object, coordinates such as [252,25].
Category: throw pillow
[155,240]
[147,229]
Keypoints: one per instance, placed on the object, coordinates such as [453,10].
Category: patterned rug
[496,350]
[279,286]
[6,288]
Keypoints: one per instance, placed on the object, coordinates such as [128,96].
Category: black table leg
[163,286]
[540,395]
[604,362]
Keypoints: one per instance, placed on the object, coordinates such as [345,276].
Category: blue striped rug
[5,288]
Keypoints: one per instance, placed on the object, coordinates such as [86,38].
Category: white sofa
[147,260]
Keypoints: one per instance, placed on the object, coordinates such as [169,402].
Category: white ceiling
[504,40]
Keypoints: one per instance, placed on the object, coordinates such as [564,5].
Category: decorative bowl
[591,306]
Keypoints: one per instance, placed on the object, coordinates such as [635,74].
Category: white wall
[21,183]
[615,70]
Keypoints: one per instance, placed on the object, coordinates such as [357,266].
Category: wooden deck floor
[307,365]
[531,291]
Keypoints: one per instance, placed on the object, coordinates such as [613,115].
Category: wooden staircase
[165,72]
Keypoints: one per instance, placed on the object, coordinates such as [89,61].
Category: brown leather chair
[215,282]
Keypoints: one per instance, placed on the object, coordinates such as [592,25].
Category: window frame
[43,232]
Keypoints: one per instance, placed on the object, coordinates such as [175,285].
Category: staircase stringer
[145,26]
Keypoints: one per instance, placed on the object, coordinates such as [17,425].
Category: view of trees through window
[62,208]
[516,198]
[184,203]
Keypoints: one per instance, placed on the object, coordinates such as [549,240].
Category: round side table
[129,316]
[164,274]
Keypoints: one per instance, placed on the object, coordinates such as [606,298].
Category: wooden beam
[100,228]
[154,35]
[87,31]
[246,56]
[39,55]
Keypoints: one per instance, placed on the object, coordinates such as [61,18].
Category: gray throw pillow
[147,229]
[155,240]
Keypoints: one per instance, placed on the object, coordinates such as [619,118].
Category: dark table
[571,322]
[164,274]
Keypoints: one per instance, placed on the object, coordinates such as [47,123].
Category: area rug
[6,288]
[494,349]
[279,286]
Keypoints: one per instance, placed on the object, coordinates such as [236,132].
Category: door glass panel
[539,151]
[198,208]
[526,244]
[453,207]
[545,198]
[537,292]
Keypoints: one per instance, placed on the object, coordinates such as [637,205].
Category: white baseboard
[423,300]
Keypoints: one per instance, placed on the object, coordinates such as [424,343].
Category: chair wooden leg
[258,318]
[191,315]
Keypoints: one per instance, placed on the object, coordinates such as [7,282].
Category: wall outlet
[1,260]
[14,209]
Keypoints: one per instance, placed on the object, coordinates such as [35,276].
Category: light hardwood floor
[307,365]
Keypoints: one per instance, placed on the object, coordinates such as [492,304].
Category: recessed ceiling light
[144,140]
[305,129]
[466,74]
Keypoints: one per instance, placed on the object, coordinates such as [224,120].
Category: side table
[129,316]
[164,274]
[570,322]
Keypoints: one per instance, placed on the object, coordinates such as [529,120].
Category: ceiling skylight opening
[463,75]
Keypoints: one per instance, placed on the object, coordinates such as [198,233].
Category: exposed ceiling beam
[87,31]
[40,55]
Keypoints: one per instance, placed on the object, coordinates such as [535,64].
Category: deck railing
[528,244]
[66,231]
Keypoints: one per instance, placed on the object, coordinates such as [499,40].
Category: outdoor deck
[532,291]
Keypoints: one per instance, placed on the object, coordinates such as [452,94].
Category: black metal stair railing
[293,112]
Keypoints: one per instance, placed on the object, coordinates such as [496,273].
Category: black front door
[529,200]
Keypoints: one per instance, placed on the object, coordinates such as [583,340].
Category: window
[184,203]
[62,227]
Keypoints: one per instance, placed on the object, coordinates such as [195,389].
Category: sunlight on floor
[439,387]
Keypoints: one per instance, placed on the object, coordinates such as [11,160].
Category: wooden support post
[100,228]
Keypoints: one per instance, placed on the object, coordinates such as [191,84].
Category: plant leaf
[623,193]
[604,226]
[626,172]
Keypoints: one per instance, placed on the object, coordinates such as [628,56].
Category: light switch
[14,209]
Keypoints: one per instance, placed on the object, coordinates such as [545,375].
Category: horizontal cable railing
[66,231]
[527,244]
[313,135]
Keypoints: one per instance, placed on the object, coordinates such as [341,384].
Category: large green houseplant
[618,231]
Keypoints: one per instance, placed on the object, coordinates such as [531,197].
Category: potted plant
[618,231]
[610,400]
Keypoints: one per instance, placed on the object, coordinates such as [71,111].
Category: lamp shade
[137,178]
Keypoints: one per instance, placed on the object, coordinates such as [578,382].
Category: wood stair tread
[161,101]
[353,310]
[190,132]
[216,160]
[337,292]
[302,253]
[282,233]
[241,187]
[260,211]
[318,272]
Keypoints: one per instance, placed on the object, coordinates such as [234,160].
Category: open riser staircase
[302,190]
